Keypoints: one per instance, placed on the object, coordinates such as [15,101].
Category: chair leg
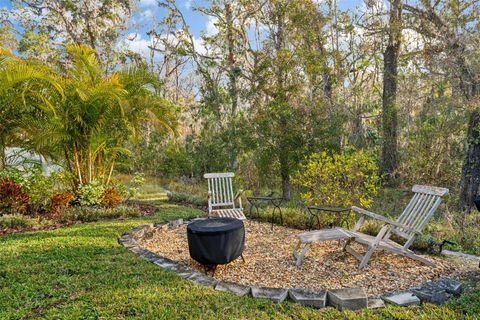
[300,256]
[366,257]
[346,243]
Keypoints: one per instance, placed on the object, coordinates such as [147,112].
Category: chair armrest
[384,219]
[239,193]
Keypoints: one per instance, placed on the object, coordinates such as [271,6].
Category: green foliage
[90,194]
[428,158]
[338,180]
[81,115]
[186,198]
[89,214]
[138,180]
[39,187]
[14,221]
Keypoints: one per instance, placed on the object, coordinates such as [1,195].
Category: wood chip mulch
[269,262]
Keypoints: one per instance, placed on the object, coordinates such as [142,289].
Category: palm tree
[25,88]
[90,124]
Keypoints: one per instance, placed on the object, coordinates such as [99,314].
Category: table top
[331,209]
[265,198]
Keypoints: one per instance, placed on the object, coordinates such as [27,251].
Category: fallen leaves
[269,262]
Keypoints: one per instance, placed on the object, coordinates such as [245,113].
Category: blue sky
[142,19]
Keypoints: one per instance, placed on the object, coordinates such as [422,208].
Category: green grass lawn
[81,272]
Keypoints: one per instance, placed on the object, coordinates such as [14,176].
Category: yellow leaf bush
[341,180]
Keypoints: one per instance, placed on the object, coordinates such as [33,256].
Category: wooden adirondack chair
[409,225]
[221,201]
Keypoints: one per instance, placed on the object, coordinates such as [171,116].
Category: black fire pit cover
[216,241]
[477,202]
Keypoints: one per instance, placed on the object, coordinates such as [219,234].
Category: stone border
[437,291]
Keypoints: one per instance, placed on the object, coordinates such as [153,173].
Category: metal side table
[314,213]
[276,202]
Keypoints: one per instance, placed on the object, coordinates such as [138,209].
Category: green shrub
[131,190]
[179,197]
[338,180]
[89,214]
[371,227]
[14,221]
[90,194]
[39,187]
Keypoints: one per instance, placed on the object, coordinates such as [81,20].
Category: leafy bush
[13,199]
[14,221]
[89,214]
[90,194]
[427,158]
[39,187]
[371,227]
[338,180]
[59,202]
[179,197]
[133,188]
[111,198]
[137,181]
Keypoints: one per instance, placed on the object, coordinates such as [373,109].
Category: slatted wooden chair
[221,201]
[408,226]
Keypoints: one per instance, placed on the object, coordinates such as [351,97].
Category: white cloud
[199,45]
[147,13]
[136,43]
[211,28]
[188,4]
[148,3]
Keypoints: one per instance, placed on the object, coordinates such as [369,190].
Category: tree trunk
[3,158]
[232,84]
[390,73]
[286,188]
[470,180]
[281,97]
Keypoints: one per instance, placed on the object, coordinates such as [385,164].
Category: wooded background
[278,80]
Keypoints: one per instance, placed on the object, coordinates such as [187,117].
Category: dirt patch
[269,262]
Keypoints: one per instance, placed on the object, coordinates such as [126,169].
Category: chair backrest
[419,211]
[220,189]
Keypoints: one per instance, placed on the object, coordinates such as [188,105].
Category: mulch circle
[269,262]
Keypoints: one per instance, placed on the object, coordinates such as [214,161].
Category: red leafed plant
[111,198]
[59,202]
[12,197]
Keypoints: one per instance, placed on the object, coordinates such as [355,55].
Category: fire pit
[215,241]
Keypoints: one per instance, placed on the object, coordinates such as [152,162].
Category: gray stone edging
[437,291]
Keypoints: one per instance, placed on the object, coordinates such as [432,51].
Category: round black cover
[216,241]
[477,202]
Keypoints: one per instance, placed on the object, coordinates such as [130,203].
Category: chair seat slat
[221,202]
